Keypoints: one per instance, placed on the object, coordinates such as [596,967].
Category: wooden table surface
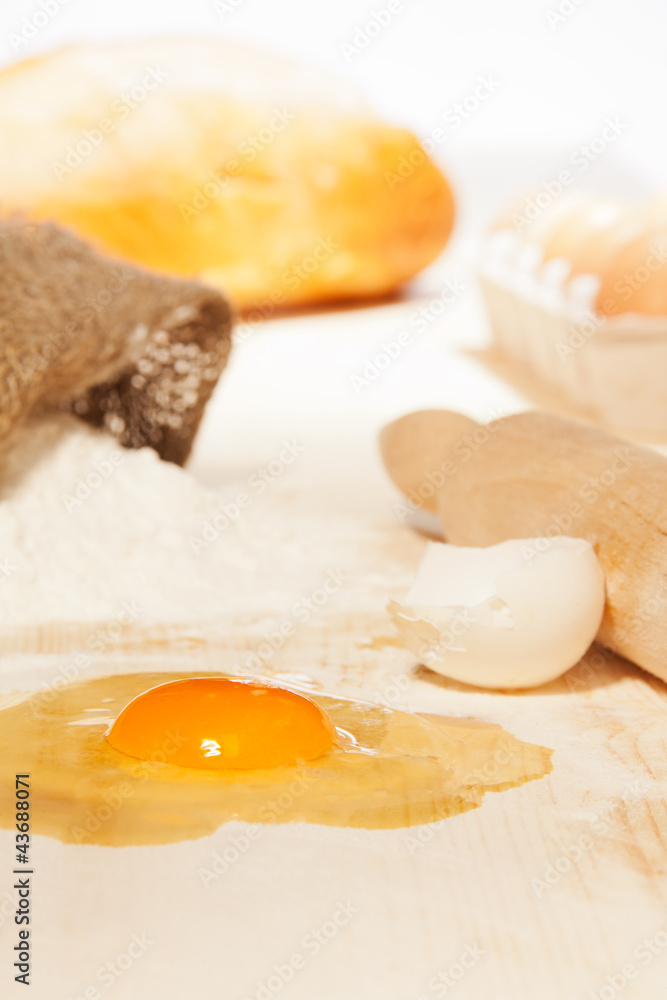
[555,890]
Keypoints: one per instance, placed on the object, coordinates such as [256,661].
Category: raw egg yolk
[222,723]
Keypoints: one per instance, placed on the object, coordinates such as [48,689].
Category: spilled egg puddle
[385,769]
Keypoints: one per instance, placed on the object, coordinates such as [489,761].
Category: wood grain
[469,888]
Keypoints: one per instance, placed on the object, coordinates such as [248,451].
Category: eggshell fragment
[512,615]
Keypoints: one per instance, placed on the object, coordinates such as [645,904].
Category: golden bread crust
[208,159]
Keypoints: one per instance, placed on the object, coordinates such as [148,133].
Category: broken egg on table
[512,615]
[156,758]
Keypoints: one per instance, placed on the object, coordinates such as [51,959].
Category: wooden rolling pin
[534,475]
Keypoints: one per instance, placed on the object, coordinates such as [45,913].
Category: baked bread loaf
[209,159]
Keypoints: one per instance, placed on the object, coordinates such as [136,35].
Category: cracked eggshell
[512,615]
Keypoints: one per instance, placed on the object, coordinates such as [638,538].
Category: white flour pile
[87,528]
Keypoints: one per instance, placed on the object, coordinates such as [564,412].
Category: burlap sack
[128,350]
